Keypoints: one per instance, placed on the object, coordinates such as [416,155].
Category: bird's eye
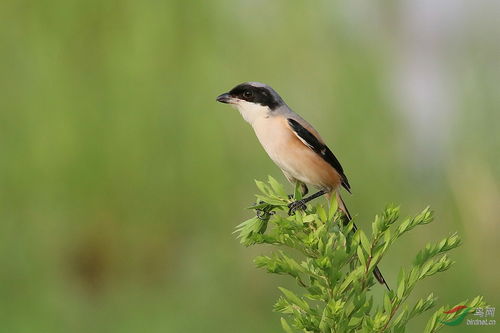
[248,94]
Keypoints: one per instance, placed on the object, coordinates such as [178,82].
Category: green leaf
[262,187]
[273,201]
[309,218]
[401,288]
[297,194]
[325,322]
[355,321]
[365,242]
[361,256]
[332,209]
[387,237]
[294,298]
[322,214]
[277,187]
[401,318]
[376,225]
[249,228]
[285,326]
[387,303]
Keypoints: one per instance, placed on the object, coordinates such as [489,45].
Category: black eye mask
[259,95]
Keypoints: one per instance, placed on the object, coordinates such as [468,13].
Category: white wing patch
[303,141]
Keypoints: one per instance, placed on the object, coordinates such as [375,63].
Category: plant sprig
[335,270]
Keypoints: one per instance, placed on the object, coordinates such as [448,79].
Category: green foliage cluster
[334,266]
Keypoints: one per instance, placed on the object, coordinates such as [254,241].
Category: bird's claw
[299,204]
[263,214]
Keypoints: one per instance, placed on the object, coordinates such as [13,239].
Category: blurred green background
[122,179]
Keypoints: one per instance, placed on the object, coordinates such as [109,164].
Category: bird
[293,145]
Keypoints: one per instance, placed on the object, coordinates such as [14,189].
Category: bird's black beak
[224,98]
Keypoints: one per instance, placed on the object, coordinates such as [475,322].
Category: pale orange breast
[293,156]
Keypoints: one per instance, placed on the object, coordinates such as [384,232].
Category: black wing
[320,148]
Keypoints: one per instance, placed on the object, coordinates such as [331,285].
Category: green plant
[334,265]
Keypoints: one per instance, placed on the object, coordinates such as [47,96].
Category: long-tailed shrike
[292,143]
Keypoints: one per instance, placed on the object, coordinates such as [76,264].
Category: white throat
[251,111]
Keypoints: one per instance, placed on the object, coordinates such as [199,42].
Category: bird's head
[253,100]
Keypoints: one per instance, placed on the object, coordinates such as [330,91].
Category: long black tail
[376,272]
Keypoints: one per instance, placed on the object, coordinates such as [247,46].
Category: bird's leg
[301,204]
